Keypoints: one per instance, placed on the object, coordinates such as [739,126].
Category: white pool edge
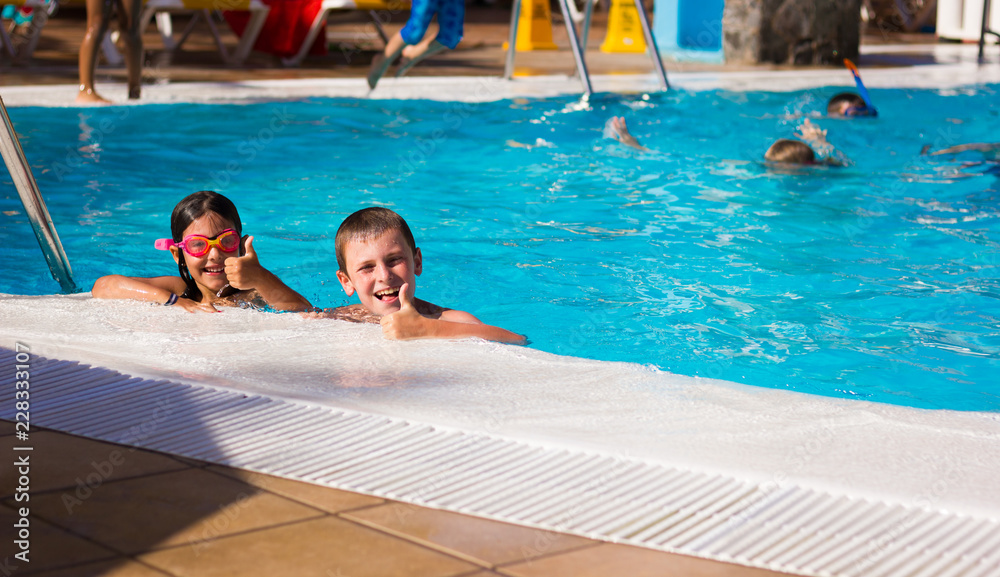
[783,527]
[956,68]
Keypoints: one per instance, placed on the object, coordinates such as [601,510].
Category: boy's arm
[408,323]
[815,136]
[245,273]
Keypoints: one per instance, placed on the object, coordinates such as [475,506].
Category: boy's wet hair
[790,151]
[368,224]
[191,208]
[853,101]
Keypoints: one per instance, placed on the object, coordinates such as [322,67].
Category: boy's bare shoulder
[429,310]
[434,311]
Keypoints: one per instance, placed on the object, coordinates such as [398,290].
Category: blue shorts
[450,16]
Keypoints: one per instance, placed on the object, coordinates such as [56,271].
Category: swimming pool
[876,282]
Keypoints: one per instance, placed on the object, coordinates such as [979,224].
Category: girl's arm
[245,273]
[159,290]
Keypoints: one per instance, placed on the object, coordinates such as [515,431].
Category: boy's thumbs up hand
[244,272]
[406,297]
[407,322]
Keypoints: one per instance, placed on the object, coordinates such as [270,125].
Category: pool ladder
[579,48]
[34,205]
[985,30]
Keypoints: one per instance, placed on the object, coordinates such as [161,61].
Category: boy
[379,260]
[789,151]
[848,105]
[784,150]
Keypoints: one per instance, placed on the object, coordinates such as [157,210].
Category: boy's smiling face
[376,268]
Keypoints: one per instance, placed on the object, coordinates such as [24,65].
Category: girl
[217,266]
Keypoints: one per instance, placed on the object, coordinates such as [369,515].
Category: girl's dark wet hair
[190,209]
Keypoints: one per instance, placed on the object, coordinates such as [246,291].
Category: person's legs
[413,50]
[128,20]
[383,60]
[421,52]
[451,22]
[98,13]
[451,19]
[421,14]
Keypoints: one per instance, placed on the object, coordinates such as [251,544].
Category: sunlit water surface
[878,281]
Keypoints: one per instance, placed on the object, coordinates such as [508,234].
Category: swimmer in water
[217,266]
[850,105]
[378,259]
[812,149]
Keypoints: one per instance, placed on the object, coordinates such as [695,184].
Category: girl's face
[209,269]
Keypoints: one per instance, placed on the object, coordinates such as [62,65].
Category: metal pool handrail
[579,47]
[34,205]
[985,29]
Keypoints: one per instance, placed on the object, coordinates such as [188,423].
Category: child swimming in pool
[783,151]
[812,149]
[218,267]
[848,105]
[379,260]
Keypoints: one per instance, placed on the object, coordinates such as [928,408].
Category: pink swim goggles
[197,245]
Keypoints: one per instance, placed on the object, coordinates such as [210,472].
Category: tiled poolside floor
[104,509]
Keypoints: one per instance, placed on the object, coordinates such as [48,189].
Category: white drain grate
[789,529]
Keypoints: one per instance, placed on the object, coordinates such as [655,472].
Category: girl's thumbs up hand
[244,272]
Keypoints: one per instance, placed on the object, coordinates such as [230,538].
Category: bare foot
[418,53]
[90,96]
[616,128]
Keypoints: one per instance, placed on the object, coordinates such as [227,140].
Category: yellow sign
[624,29]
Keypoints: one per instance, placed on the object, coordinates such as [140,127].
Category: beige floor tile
[121,568]
[482,541]
[62,461]
[324,498]
[608,559]
[48,547]
[176,508]
[327,547]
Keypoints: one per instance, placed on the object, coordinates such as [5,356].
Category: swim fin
[381,63]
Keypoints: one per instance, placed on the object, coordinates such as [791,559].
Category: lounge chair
[374,7]
[162,9]
[39,16]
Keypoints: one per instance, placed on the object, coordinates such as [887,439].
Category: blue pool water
[879,281]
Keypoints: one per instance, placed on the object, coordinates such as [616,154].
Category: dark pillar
[791,31]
